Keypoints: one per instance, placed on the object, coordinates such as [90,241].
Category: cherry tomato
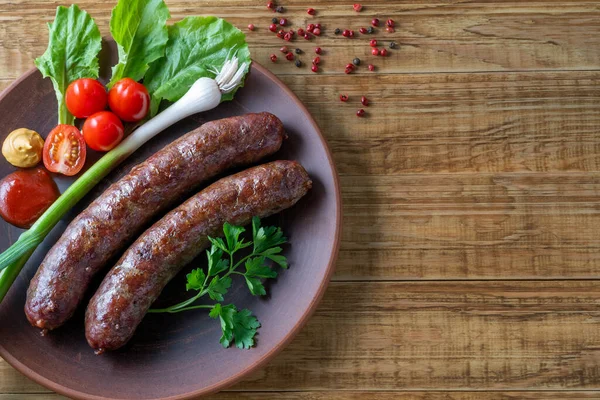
[129,100]
[103,131]
[85,97]
[64,150]
[25,195]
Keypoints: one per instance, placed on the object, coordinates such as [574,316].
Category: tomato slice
[64,150]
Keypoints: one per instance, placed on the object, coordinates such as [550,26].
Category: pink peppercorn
[311,11]
[273,58]
[251,27]
[371,67]
[375,22]
[316,32]
[375,51]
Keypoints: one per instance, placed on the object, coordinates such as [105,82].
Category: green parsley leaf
[266,237]
[236,325]
[232,236]
[140,29]
[255,285]
[72,53]
[273,255]
[195,279]
[256,268]
[216,264]
[218,287]
[219,244]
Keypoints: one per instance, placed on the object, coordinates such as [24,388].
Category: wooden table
[470,258]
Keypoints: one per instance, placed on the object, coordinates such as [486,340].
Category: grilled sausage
[138,278]
[126,207]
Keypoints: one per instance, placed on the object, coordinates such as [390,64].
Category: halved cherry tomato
[64,150]
[129,100]
[85,97]
[103,131]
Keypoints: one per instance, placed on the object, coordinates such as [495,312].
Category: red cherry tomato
[103,131]
[85,97]
[64,150]
[129,100]
[25,195]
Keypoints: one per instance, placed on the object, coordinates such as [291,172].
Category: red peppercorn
[390,29]
[287,37]
[284,50]
[317,26]
[318,50]
[316,60]
[371,67]
[383,52]
[360,113]
[283,22]
[307,36]
[273,57]
[357,7]
[270,4]
[375,51]
[344,97]
[281,34]
[251,27]
[273,28]
[311,11]
[348,70]
[351,33]
[390,22]
[346,33]
[310,27]
[364,101]
[350,66]
[316,32]
[290,56]
[300,31]
[375,22]
[373,43]
[291,32]
[363,30]
[314,68]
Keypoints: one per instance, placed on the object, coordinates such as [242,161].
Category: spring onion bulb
[205,94]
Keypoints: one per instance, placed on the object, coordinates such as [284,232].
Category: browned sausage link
[119,214]
[158,255]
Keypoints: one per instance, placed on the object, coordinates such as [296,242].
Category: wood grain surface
[470,258]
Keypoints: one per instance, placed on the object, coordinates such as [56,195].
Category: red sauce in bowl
[25,195]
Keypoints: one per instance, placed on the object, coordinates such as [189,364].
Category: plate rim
[231,380]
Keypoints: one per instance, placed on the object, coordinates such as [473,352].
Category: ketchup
[25,195]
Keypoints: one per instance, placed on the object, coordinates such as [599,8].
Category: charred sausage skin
[127,206]
[138,278]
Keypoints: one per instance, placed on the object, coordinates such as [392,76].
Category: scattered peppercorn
[283,22]
[307,36]
[356,61]
[393,45]
[373,43]
[363,30]
[273,28]
[357,7]
[390,22]
[316,60]
[250,27]
[310,27]
[274,20]
[287,37]
[284,50]
[281,33]
[371,67]
[316,32]
[346,33]
[273,58]
[290,56]
[318,26]
[360,113]
[370,30]
[364,101]
[318,50]
[375,22]
[298,63]
[375,51]
[351,33]
[348,70]
[270,4]
[337,31]
[350,66]
[390,29]
[314,68]
[383,52]
[298,51]
[344,97]
[280,9]
[300,32]
[311,11]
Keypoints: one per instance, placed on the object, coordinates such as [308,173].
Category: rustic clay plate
[177,356]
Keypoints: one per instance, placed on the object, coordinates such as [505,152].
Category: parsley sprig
[237,326]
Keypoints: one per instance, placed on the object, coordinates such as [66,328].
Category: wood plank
[435,36]
[438,336]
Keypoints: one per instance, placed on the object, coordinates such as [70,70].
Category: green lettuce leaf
[140,30]
[196,46]
[72,53]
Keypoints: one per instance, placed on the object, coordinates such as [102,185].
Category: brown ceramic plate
[177,356]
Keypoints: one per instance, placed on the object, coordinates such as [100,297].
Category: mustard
[23,148]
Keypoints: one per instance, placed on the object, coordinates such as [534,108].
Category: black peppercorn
[275,20]
[370,30]
[298,51]
[393,45]
[356,61]
[298,63]
[280,9]
[337,31]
